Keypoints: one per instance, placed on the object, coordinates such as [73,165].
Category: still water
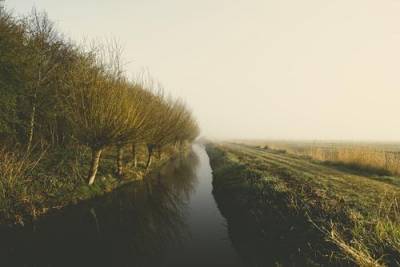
[171,219]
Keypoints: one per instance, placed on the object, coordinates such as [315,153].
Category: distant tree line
[55,93]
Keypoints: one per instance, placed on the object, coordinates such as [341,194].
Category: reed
[366,158]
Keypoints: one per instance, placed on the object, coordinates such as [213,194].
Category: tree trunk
[94,165]
[159,153]
[149,158]
[33,111]
[120,170]
[31,124]
[134,157]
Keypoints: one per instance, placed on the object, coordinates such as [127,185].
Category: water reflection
[133,226]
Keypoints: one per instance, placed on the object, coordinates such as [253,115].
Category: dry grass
[14,195]
[355,251]
[381,158]
[368,238]
[356,156]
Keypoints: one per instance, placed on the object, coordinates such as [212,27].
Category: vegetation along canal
[186,214]
[169,220]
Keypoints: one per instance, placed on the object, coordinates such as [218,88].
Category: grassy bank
[358,217]
[36,184]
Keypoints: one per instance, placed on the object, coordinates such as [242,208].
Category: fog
[283,69]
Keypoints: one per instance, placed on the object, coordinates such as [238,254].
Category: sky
[287,69]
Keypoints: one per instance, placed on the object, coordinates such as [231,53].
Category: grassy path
[330,181]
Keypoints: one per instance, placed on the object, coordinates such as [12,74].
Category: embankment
[302,211]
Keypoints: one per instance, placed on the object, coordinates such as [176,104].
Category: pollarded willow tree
[103,109]
[56,94]
[185,127]
[157,134]
[173,120]
[107,110]
[140,101]
[140,136]
[188,130]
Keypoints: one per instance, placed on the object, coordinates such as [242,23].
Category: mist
[258,69]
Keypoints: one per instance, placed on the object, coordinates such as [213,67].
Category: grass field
[357,214]
[372,157]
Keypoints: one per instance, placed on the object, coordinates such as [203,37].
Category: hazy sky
[287,69]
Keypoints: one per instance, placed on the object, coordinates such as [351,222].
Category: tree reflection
[133,226]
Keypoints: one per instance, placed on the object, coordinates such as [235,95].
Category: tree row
[55,93]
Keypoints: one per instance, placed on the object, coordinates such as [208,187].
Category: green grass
[357,214]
